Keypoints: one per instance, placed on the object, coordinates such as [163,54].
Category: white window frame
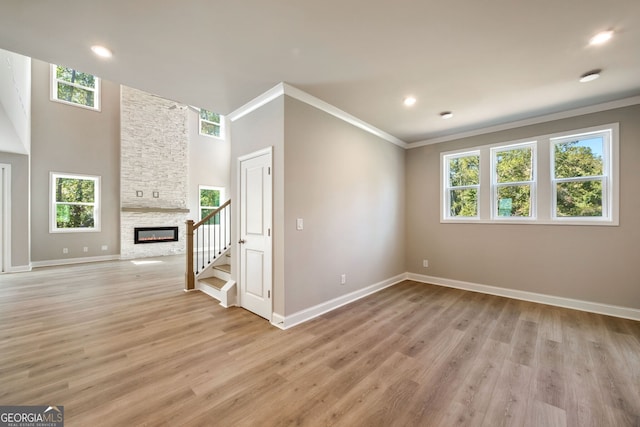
[208,187]
[495,185]
[221,124]
[54,90]
[609,214]
[446,188]
[543,210]
[53,226]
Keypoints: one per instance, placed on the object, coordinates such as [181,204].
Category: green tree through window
[75,87]
[210,123]
[579,175]
[210,198]
[75,202]
[463,172]
[514,180]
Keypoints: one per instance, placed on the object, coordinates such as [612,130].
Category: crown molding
[257,102]
[625,102]
[295,93]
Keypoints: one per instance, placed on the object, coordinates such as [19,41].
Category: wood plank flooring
[120,344]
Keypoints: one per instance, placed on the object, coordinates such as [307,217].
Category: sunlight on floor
[145,262]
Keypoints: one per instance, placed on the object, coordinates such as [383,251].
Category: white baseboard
[317,310]
[67,261]
[18,269]
[277,320]
[592,307]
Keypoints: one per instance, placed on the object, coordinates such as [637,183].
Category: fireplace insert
[155,234]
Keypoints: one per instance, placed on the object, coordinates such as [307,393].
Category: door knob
[241,241]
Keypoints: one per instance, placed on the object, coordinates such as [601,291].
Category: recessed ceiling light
[446,114]
[409,101]
[590,76]
[101,51]
[601,37]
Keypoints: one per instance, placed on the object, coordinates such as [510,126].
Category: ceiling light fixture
[601,37]
[590,76]
[101,51]
[446,114]
[409,101]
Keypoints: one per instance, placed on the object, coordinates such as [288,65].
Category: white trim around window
[221,199]
[88,207]
[543,183]
[96,90]
[211,124]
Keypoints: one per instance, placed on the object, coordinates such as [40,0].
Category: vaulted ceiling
[489,62]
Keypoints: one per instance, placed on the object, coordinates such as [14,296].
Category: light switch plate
[299,224]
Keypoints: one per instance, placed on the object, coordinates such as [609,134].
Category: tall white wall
[15,103]
[208,163]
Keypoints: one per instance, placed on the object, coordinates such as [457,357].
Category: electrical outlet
[343,279]
[104,247]
[85,249]
[65,250]
[425,263]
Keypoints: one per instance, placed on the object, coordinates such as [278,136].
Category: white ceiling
[490,62]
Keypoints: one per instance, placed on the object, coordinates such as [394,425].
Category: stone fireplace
[153,171]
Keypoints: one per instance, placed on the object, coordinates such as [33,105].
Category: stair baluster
[220,221]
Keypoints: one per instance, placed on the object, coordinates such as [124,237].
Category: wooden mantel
[152,209]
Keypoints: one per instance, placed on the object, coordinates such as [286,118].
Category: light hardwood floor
[120,344]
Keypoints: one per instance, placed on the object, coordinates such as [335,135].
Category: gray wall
[208,163]
[74,140]
[592,263]
[348,186]
[19,208]
[259,129]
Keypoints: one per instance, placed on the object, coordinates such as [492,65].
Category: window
[74,87]
[566,178]
[513,181]
[75,203]
[580,175]
[462,185]
[210,124]
[210,198]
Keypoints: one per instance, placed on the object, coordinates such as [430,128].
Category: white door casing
[5,217]
[255,237]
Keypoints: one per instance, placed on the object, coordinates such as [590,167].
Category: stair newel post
[189,280]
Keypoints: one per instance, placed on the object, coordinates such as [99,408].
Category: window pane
[210,116]
[514,200]
[210,129]
[464,171]
[74,216]
[75,95]
[215,220]
[75,190]
[209,198]
[514,165]
[72,76]
[464,202]
[579,198]
[577,158]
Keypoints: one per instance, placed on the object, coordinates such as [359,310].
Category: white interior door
[255,269]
